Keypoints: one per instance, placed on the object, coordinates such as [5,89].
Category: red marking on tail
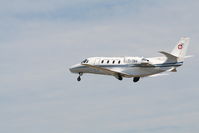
[180,46]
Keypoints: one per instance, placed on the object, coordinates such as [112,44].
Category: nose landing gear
[79,77]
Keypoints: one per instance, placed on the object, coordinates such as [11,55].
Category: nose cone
[74,68]
[71,69]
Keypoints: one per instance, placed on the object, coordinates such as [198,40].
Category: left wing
[108,71]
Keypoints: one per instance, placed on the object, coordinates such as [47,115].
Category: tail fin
[181,48]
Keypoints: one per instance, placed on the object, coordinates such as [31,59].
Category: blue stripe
[139,65]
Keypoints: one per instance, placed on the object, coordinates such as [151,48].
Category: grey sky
[41,39]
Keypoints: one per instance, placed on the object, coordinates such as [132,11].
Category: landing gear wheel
[120,77]
[79,78]
[136,79]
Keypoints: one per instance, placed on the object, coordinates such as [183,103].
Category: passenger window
[119,62]
[107,61]
[113,62]
[102,61]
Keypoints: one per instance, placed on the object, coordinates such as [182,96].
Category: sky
[41,39]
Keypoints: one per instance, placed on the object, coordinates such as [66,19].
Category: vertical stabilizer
[181,48]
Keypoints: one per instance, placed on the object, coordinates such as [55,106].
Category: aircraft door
[97,61]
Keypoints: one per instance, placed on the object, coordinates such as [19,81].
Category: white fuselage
[135,67]
[131,66]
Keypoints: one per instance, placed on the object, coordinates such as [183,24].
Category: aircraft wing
[108,71]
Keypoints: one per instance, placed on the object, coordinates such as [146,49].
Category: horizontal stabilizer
[172,70]
[188,56]
[159,74]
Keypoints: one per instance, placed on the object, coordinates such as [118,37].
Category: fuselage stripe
[175,64]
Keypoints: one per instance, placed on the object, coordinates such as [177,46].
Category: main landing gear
[79,77]
[136,79]
[119,77]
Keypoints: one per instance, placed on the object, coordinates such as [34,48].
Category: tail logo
[180,46]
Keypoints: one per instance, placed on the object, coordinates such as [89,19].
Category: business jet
[134,67]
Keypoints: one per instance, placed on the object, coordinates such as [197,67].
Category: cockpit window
[85,61]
